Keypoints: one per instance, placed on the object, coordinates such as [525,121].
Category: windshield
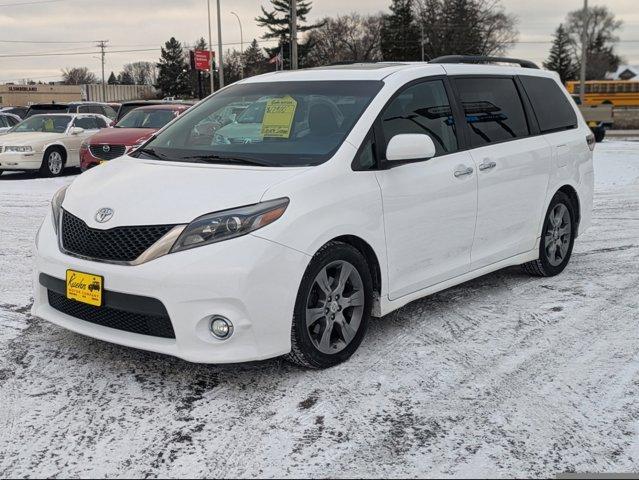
[142,118]
[44,123]
[52,108]
[271,124]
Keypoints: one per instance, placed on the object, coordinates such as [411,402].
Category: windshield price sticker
[278,117]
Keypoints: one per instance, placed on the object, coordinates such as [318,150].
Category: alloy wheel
[55,163]
[558,235]
[335,306]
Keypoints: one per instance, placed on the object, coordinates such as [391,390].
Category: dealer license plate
[85,287]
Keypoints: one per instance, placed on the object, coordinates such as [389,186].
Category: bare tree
[466,27]
[78,76]
[602,38]
[141,73]
[346,38]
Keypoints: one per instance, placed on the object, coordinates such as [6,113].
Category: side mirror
[410,146]
[76,130]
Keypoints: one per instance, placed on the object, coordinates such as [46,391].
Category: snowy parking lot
[506,375]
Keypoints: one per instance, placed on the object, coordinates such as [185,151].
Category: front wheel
[557,239]
[332,308]
[52,163]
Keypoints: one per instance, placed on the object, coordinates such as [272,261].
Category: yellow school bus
[620,93]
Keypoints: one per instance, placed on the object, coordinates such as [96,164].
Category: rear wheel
[332,308]
[557,239]
[52,163]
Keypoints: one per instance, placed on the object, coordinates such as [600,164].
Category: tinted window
[552,108]
[493,109]
[366,157]
[423,108]
[88,123]
[100,122]
[109,112]
[47,108]
[12,121]
[4,121]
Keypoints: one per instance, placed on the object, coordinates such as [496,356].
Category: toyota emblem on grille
[106,148]
[104,215]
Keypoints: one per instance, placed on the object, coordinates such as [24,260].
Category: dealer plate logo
[104,215]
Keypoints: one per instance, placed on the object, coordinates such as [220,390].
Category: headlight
[18,149]
[220,226]
[220,139]
[56,207]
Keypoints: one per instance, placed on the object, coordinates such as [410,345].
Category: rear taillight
[591,142]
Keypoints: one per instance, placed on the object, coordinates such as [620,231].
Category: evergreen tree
[400,34]
[113,80]
[125,78]
[278,24]
[561,59]
[254,60]
[173,76]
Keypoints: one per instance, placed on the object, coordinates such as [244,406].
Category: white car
[48,143]
[8,121]
[438,173]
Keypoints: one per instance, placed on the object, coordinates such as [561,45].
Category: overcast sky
[146,24]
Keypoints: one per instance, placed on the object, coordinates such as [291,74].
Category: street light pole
[212,72]
[584,55]
[241,44]
[220,46]
[293,34]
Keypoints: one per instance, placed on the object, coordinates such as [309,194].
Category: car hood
[29,138]
[149,192]
[121,136]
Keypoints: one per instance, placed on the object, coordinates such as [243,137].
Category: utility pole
[584,54]
[219,42]
[241,44]
[102,46]
[212,72]
[293,34]
[422,41]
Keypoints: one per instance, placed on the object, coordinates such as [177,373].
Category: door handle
[463,172]
[487,166]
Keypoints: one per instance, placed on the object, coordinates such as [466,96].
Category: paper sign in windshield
[278,117]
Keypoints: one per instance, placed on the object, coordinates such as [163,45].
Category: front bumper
[20,161]
[249,280]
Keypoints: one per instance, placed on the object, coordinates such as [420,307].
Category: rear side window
[552,109]
[423,108]
[493,108]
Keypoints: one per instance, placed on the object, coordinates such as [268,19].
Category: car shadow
[34,175]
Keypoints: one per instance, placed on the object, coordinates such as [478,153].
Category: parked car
[8,121]
[48,143]
[19,111]
[433,174]
[72,107]
[133,130]
[126,107]
[600,118]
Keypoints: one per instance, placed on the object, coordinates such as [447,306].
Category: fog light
[221,327]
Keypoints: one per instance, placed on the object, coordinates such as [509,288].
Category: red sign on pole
[203,60]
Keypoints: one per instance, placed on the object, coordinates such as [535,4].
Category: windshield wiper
[224,159]
[152,153]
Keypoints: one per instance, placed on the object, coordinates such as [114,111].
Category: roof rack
[477,59]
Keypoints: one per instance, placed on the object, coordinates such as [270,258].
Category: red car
[132,130]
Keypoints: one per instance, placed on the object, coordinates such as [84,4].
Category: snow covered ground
[503,376]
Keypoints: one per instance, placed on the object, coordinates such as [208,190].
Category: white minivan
[364,188]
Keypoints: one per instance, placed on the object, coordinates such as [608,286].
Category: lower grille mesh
[153,325]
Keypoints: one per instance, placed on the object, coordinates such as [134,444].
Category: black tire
[600,134]
[542,267]
[45,168]
[303,352]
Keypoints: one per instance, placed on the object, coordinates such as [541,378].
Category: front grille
[111,152]
[120,244]
[153,325]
